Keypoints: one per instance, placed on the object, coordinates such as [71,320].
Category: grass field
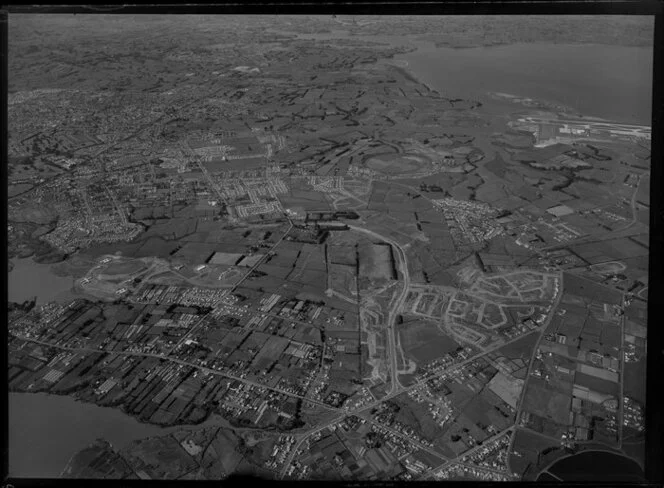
[33,213]
[309,200]
[395,164]
[123,267]
[223,450]
[342,254]
[376,262]
[161,457]
[529,445]
[520,349]
[156,246]
[587,289]
[343,280]
[635,380]
[195,252]
[418,417]
[270,352]
[18,189]
[174,228]
[596,384]
[423,342]
[225,258]
[546,403]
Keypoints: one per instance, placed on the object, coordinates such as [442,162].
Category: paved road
[186,335]
[260,261]
[404,436]
[395,388]
[633,203]
[394,310]
[209,179]
[532,359]
[373,404]
[178,361]
[621,398]
[547,437]
[606,236]
[470,452]
[550,474]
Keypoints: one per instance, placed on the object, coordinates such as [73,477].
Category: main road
[168,357]
[540,333]
[396,306]
[621,399]
[588,239]
[260,261]
[368,406]
[459,459]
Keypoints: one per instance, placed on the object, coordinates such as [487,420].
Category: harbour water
[611,82]
[45,431]
[29,279]
[598,466]
[604,81]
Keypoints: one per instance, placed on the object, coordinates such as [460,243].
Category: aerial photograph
[328,247]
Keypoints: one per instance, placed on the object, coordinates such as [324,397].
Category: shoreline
[411,76]
[30,266]
[120,410]
[92,444]
[427,59]
[118,422]
[604,449]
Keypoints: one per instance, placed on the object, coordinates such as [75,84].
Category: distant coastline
[554,75]
[410,75]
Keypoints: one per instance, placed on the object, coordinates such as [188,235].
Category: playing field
[423,342]
[124,267]
[376,261]
[396,164]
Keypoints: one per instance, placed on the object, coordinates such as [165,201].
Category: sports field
[423,342]
[396,164]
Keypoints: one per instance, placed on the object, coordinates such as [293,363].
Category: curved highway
[391,318]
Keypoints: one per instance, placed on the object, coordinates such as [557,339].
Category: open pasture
[423,342]
[397,164]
